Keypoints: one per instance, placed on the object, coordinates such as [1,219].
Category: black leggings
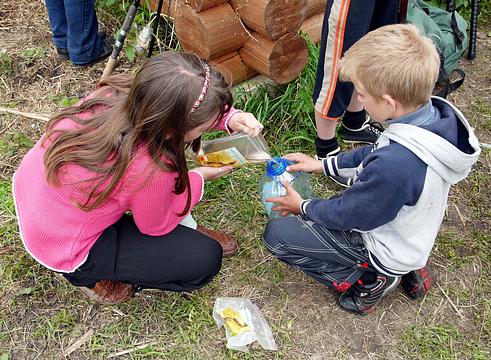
[182,260]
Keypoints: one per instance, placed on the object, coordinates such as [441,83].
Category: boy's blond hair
[393,60]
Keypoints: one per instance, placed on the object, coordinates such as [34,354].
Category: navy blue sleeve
[346,163]
[353,158]
[391,178]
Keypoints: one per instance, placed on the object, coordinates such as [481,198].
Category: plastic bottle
[271,184]
[143,38]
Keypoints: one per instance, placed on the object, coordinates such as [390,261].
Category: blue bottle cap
[276,166]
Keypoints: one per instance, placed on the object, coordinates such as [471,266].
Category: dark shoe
[62,53]
[362,298]
[417,283]
[368,133]
[108,292]
[107,49]
[228,243]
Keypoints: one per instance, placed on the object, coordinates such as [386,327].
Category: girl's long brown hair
[151,108]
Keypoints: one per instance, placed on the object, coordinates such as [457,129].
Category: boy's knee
[273,233]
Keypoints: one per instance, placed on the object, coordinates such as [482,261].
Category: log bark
[312,26]
[201,5]
[210,33]
[272,18]
[282,60]
[233,68]
[315,7]
[166,9]
[198,5]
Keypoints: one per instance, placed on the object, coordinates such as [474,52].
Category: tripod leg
[471,54]
[155,27]
[118,45]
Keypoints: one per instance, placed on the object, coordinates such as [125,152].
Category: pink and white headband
[204,90]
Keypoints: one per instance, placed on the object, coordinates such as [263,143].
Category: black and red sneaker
[417,283]
[362,298]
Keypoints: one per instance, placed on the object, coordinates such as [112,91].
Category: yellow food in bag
[221,158]
[233,321]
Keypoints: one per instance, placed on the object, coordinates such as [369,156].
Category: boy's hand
[246,123]
[304,163]
[288,204]
[212,173]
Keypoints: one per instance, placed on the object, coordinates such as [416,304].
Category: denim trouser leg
[80,25]
[57,21]
[334,258]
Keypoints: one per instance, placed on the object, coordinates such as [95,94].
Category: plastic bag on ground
[243,323]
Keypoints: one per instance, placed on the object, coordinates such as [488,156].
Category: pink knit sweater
[59,235]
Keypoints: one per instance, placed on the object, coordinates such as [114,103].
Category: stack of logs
[246,37]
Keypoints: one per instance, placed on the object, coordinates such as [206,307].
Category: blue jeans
[74,27]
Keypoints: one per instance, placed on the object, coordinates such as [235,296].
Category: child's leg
[182,260]
[335,258]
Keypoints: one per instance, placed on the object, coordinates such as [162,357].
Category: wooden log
[201,5]
[282,60]
[272,18]
[312,26]
[233,68]
[198,5]
[315,7]
[166,9]
[210,33]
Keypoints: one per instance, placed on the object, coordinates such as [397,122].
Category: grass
[443,341]
[5,63]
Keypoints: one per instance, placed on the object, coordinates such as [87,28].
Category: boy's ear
[390,102]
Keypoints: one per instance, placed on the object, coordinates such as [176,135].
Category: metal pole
[155,27]
[471,54]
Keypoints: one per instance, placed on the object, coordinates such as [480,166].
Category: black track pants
[182,260]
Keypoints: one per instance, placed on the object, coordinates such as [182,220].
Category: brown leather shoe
[109,292]
[229,245]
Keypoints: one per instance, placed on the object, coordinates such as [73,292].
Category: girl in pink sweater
[120,151]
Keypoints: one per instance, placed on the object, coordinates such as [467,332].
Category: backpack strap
[451,86]
[456,31]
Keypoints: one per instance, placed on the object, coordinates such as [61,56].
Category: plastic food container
[252,149]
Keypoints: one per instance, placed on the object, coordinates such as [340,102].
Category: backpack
[448,31]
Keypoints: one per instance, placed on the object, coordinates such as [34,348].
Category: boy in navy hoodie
[385,224]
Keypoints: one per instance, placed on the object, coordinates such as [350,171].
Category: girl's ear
[390,102]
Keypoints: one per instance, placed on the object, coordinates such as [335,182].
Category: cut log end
[288,58]
[210,33]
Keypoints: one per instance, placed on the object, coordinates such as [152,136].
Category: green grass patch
[462,249]
[63,100]
[31,55]
[5,63]
[441,341]
[14,143]
[482,107]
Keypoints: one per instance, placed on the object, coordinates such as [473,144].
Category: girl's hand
[304,163]
[288,204]
[246,123]
[212,173]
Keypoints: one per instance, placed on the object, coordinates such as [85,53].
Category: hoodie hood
[448,145]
